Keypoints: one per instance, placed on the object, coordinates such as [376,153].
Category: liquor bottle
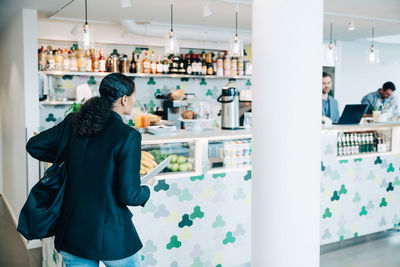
[203,64]
[146,64]
[174,66]
[102,61]
[66,60]
[210,70]
[73,62]
[59,60]
[41,59]
[132,66]
[51,64]
[198,64]
[189,69]
[182,69]
[220,64]
[159,65]
[165,65]
[88,61]
[153,64]
[95,61]
[139,66]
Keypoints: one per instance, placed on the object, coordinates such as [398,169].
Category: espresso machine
[229,100]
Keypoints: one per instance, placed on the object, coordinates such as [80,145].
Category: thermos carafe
[229,100]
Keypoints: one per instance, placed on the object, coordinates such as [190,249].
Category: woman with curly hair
[103,162]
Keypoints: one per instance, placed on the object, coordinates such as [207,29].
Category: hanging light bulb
[330,50]
[172,44]
[236,45]
[351,26]
[373,53]
[85,40]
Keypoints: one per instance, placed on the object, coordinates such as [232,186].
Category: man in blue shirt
[329,104]
[382,97]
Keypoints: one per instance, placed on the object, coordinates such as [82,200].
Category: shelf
[56,103]
[228,170]
[371,154]
[142,75]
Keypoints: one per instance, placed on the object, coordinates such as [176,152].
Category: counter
[359,193]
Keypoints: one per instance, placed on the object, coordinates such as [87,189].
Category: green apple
[174,158]
[189,166]
[181,159]
[175,167]
[183,168]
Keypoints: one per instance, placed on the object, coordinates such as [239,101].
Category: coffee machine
[230,106]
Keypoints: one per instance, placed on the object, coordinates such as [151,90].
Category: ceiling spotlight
[126,3]
[206,9]
[351,26]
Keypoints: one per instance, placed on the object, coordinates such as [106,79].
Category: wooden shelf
[56,103]
[143,75]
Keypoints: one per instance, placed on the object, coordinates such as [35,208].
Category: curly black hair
[94,114]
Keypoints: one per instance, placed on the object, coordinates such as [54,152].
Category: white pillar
[287,57]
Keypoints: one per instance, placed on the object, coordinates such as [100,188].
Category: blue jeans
[75,261]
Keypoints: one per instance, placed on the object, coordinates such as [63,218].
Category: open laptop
[352,114]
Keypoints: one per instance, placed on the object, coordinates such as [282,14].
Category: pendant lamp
[172,44]
[236,45]
[330,50]
[85,40]
[373,53]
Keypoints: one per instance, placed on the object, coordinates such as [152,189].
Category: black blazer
[102,179]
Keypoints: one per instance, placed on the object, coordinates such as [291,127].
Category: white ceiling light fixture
[330,49]
[171,45]
[85,40]
[373,53]
[351,26]
[236,45]
[126,3]
[206,9]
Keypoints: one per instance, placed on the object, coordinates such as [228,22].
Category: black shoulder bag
[39,215]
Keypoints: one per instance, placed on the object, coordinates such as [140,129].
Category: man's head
[387,90]
[326,83]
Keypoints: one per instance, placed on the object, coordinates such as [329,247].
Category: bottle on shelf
[95,61]
[203,64]
[51,64]
[73,62]
[189,69]
[102,61]
[240,66]
[234,66]
[132,66]
[160,65]
[181,69]
[209,63]
[174,66]
[88,60]
[139,66]
[220,64]
[146,64]
[42,59]
[153,64]
[67,55]
[227,65]
[165,63]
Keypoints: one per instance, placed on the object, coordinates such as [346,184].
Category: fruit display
[147,163]
[152,158]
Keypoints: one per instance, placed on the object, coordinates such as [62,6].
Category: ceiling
[189,12]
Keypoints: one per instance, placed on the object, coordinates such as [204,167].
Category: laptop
[352,114]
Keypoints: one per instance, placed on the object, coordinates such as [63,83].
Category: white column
[287,57]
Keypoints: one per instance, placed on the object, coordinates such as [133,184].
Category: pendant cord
[236,26]
[172,17]
[86,12]
[373,34]
[331,27]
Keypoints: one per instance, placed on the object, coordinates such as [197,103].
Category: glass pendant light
[236,45]
[85,40]
[330,50]
[172,44]
[373,53]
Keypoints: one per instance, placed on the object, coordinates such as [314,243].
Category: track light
[351,25]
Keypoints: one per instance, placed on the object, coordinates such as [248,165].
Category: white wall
[355,77]
[18,95]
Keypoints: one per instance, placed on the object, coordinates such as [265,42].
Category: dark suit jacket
[102,179]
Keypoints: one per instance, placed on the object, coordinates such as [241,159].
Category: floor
[379,252]
[12,250]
